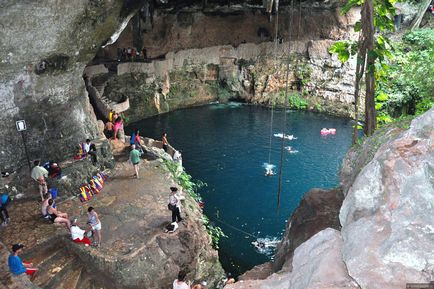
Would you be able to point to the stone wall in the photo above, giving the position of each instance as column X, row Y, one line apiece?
column 253, row 72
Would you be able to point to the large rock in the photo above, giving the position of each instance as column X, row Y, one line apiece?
column 386, row 218
column 318, row 210
column 317, row 263
column 44, row 49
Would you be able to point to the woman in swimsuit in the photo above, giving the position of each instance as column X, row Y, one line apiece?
column 56, row 216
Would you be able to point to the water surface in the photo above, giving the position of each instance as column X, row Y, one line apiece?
column 226, row 146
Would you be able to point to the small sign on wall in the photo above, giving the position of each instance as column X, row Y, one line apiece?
column 21, row 125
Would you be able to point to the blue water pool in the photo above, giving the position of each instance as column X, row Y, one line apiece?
column 225, row 145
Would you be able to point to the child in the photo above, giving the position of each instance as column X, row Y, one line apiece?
column 95, row 223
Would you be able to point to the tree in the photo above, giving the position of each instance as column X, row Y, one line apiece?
column 374, row 14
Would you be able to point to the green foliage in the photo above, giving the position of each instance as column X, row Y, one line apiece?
column 296, row 101
column 344, row 49
column 303, row 72
column 191, row 187
column 405, row 84
column 215, row 232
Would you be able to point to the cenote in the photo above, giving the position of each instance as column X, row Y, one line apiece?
column 226, row 145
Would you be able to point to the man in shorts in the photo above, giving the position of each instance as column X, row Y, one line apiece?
column 39, row 174
column 135, row 159
column 18, row 267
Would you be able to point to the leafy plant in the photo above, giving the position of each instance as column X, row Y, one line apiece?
column 295, row 101
column 215, row 232
column 191, row 187
column 405, row 84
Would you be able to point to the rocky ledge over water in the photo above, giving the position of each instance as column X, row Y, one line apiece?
column 386, row 239
column 135, row 250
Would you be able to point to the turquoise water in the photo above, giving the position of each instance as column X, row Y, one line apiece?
column 226, row 145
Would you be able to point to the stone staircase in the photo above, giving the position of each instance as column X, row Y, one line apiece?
column 100, row 81
column 60, row 269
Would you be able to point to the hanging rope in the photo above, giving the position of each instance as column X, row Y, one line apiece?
column 276, row 29
column 279, row 191
column 235, row 228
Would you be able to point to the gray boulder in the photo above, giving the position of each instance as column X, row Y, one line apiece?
column 386, row 218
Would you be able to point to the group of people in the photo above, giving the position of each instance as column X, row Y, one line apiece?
column 131, row 54
column 51, row 213
column 114, row 127
column 78, row 235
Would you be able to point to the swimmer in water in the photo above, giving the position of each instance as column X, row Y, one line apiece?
column 269, row 172
column 259, row 244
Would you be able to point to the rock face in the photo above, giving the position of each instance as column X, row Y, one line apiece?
column 386, row 239
column 317, row 263
column 317, row 211
column 387, row 225
column 191, row 70
column 43, row 52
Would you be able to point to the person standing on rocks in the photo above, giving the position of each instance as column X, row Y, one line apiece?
column 175, row 205
column 180, row 283
column 4, row 215
column 118, row 129
column 135, row 160
column 95, row 223
column 39, row 174
column 165, row 142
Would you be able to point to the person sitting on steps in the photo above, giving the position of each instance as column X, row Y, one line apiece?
column 18, row 267
column 45, row 205
column 56, row 216
column 78, row 235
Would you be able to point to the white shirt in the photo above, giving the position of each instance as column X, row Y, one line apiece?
column 181, row 285
column 77, row 233
column 86, row 147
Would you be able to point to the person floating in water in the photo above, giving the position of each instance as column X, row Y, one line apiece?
column 269, row 169
column 269, row 172
column 259, row 244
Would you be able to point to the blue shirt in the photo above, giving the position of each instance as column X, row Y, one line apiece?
column 16, row 265
column 4, row 200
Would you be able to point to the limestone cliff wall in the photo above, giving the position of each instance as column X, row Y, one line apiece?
column 386, row 237
column 44, row 49
column 254, row 72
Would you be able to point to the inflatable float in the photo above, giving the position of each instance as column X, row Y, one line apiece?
column 326, row 131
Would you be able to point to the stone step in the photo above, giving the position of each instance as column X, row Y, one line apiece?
column 42, row 253
column 86, row 282
column 51, row 267
column 68, row 278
